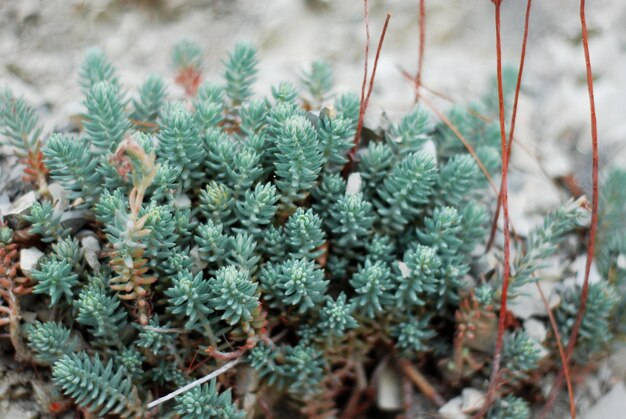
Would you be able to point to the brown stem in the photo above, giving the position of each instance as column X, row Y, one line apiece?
column 420, row 57
column 365, row 98
column 421, row 382
column 594, row 210
column 505, row 206
column 518, row 86
column 557, row 337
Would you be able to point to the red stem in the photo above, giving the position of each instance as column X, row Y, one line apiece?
column 505, row 206
column 594, row 209
column 365, row 98
column 557, row 337
column 420, row 58
column 513, row 118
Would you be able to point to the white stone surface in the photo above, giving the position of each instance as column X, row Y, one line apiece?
column 29, row 258
column 611, row 405
column 473, row 400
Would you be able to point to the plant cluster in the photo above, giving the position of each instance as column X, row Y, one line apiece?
column 228, row 231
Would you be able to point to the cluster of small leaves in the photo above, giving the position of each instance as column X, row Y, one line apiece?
column 228, row 229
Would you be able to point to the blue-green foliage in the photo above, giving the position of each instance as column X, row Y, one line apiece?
column 50, row 341
column 234, row 294
column 240, row 73
column 510, row 407
column 595, row 330
column 150, row 101
column 295, row 282
column 46, row 222
column 374, row 287
column 105, row 121
column 412, row 336
column 227, row 230
column 179, row 144
column 405, row 189
column 205, row 402
column 412, row 131
column 304, row 234
column 319, row 80
column 336, row 316
column 96, row 68
column 298, row 159
column 19, row 123
column 70, row 163
column 56, row 279
column 96, row 386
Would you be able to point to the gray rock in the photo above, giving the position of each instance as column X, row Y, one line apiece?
column 17, row 412
column 578, row 266
column 529, row 303
column 29, row 259
column 75, row 219
column 611, row 405
column 536, row 329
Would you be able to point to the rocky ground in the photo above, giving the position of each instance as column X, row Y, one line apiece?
column 42, row 43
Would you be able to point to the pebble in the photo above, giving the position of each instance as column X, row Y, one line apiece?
column 354, row 184
column 59, row 197
column 182, row 201
column 453, row 409
column 91, row 247
column 389, row 389
column 473, row 400
column 29, row 258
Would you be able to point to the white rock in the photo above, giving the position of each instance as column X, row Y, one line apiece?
column 621, row 261
column 354, row 184
column 198, row 263
column 430, row 148
column 473, row 400
column 59, row 197
column 389, row 389
column 23, row 203
column 579, row 267
column 182, row 201
column 404, row 270
column 91, row 246
column 29, row 258
column 453, row 409
column 536, row 329
column 612, row 405
column 529, row 303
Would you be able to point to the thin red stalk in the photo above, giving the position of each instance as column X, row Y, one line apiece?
column 460, row 136
column 420, row 57
column 513, row 118
column 505, row 206
column 594, row 207
column 365, row 98
column 359, row 126
column 378, row 49
column 557, row 337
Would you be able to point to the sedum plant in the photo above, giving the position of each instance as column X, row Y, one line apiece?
column 229, row 231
